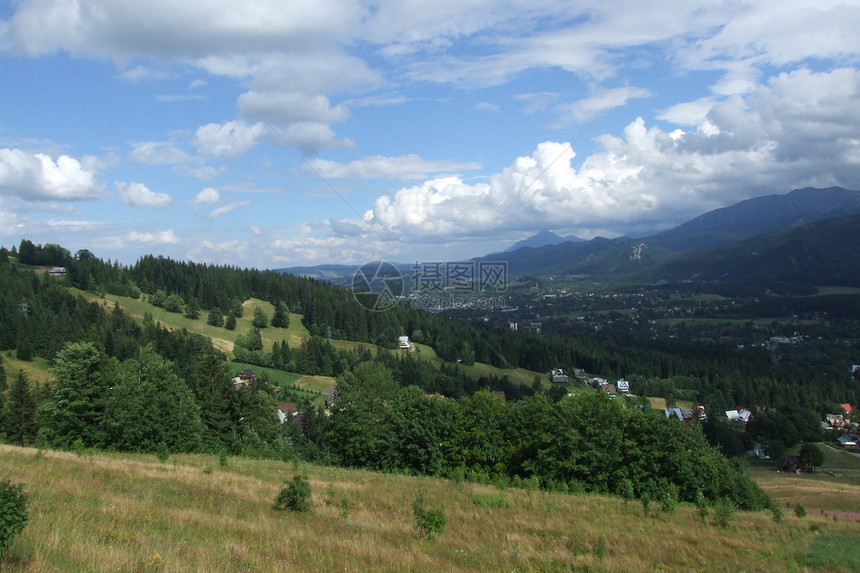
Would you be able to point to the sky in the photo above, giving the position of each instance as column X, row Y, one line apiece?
column 272, row 134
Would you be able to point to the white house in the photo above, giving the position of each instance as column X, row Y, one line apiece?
column 404, row 343
column 740, row 415
column 623, row 386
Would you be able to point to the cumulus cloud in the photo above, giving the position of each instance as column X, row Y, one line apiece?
column 799, row 129
column 167, row 237
column 37, row 177
column 139, row 195
column 207, row 196
column 231, row 139
column 400, row 168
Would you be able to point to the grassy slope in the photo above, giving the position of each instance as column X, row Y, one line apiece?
column 112, row 512
column 294, row 335
column 36, row 370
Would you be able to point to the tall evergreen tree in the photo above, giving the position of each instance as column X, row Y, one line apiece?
column 83, row 377
column 260, row 318
column 281, row 318
column 217, row 400
column 17, row 420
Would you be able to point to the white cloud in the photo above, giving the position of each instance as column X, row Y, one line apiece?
column 167, row 237
column 207, row 196
column 402, row 167
column 139, row 195
column 223, row 210
column 231, row 139
column 280, row 107
column 800, row 129
column 487, row 106
column 601, row 100
column 37, row 177
column 206, row 172
column 158, row 153
column 309, row 137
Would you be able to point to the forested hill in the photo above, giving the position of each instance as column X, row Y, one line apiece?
column 133, row 384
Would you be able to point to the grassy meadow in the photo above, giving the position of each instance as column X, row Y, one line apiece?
column 122, row 512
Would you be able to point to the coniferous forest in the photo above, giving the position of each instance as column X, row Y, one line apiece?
column 130, row 384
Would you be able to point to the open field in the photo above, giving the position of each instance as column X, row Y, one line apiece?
column 37, row 370
column 121, row 512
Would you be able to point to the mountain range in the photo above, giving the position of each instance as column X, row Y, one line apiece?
column 804, row 236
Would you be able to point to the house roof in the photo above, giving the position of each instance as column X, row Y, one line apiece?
column 847, row 408
column 287, row 408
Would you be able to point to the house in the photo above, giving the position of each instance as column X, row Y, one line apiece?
column 57, row 271
column 579, row 373
column 244, row 378
column 683, row 414
column 286, row 410
column 609, row 389
column 848, row 409
column 404, row 344
column 558, row 376
column 740, row 415
column 847, row 441
column 623, row 386
column 834, row 421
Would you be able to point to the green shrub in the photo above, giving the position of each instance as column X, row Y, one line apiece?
column 669, row 500
column 702, row 505
column 296, row 496
column 13, row 512
column 344, row 508
column 161, row 452
column 724, row 511
column 626, row 490
column 799, row 511
column 458, row 474
column 429, row 522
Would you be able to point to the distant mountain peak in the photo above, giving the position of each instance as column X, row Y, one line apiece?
column 542, row 239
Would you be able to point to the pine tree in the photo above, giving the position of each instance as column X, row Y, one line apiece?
column 281, row 318
column 17, row 420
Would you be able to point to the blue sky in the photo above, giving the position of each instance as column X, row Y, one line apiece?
column 271, row 134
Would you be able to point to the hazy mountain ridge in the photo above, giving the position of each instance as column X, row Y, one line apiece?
column 715, row 246
column 758, row 216
column 542, row 239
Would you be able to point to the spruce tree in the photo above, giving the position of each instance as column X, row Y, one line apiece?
column 17, row 420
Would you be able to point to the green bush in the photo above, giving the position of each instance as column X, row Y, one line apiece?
column 13, row 512
column 799, row 511
column 724, row 511
column 429, row 522
column 702, row 505
column 161, row 452
column 296, row 496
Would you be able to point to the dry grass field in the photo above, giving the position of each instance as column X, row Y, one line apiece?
column 121, row 512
